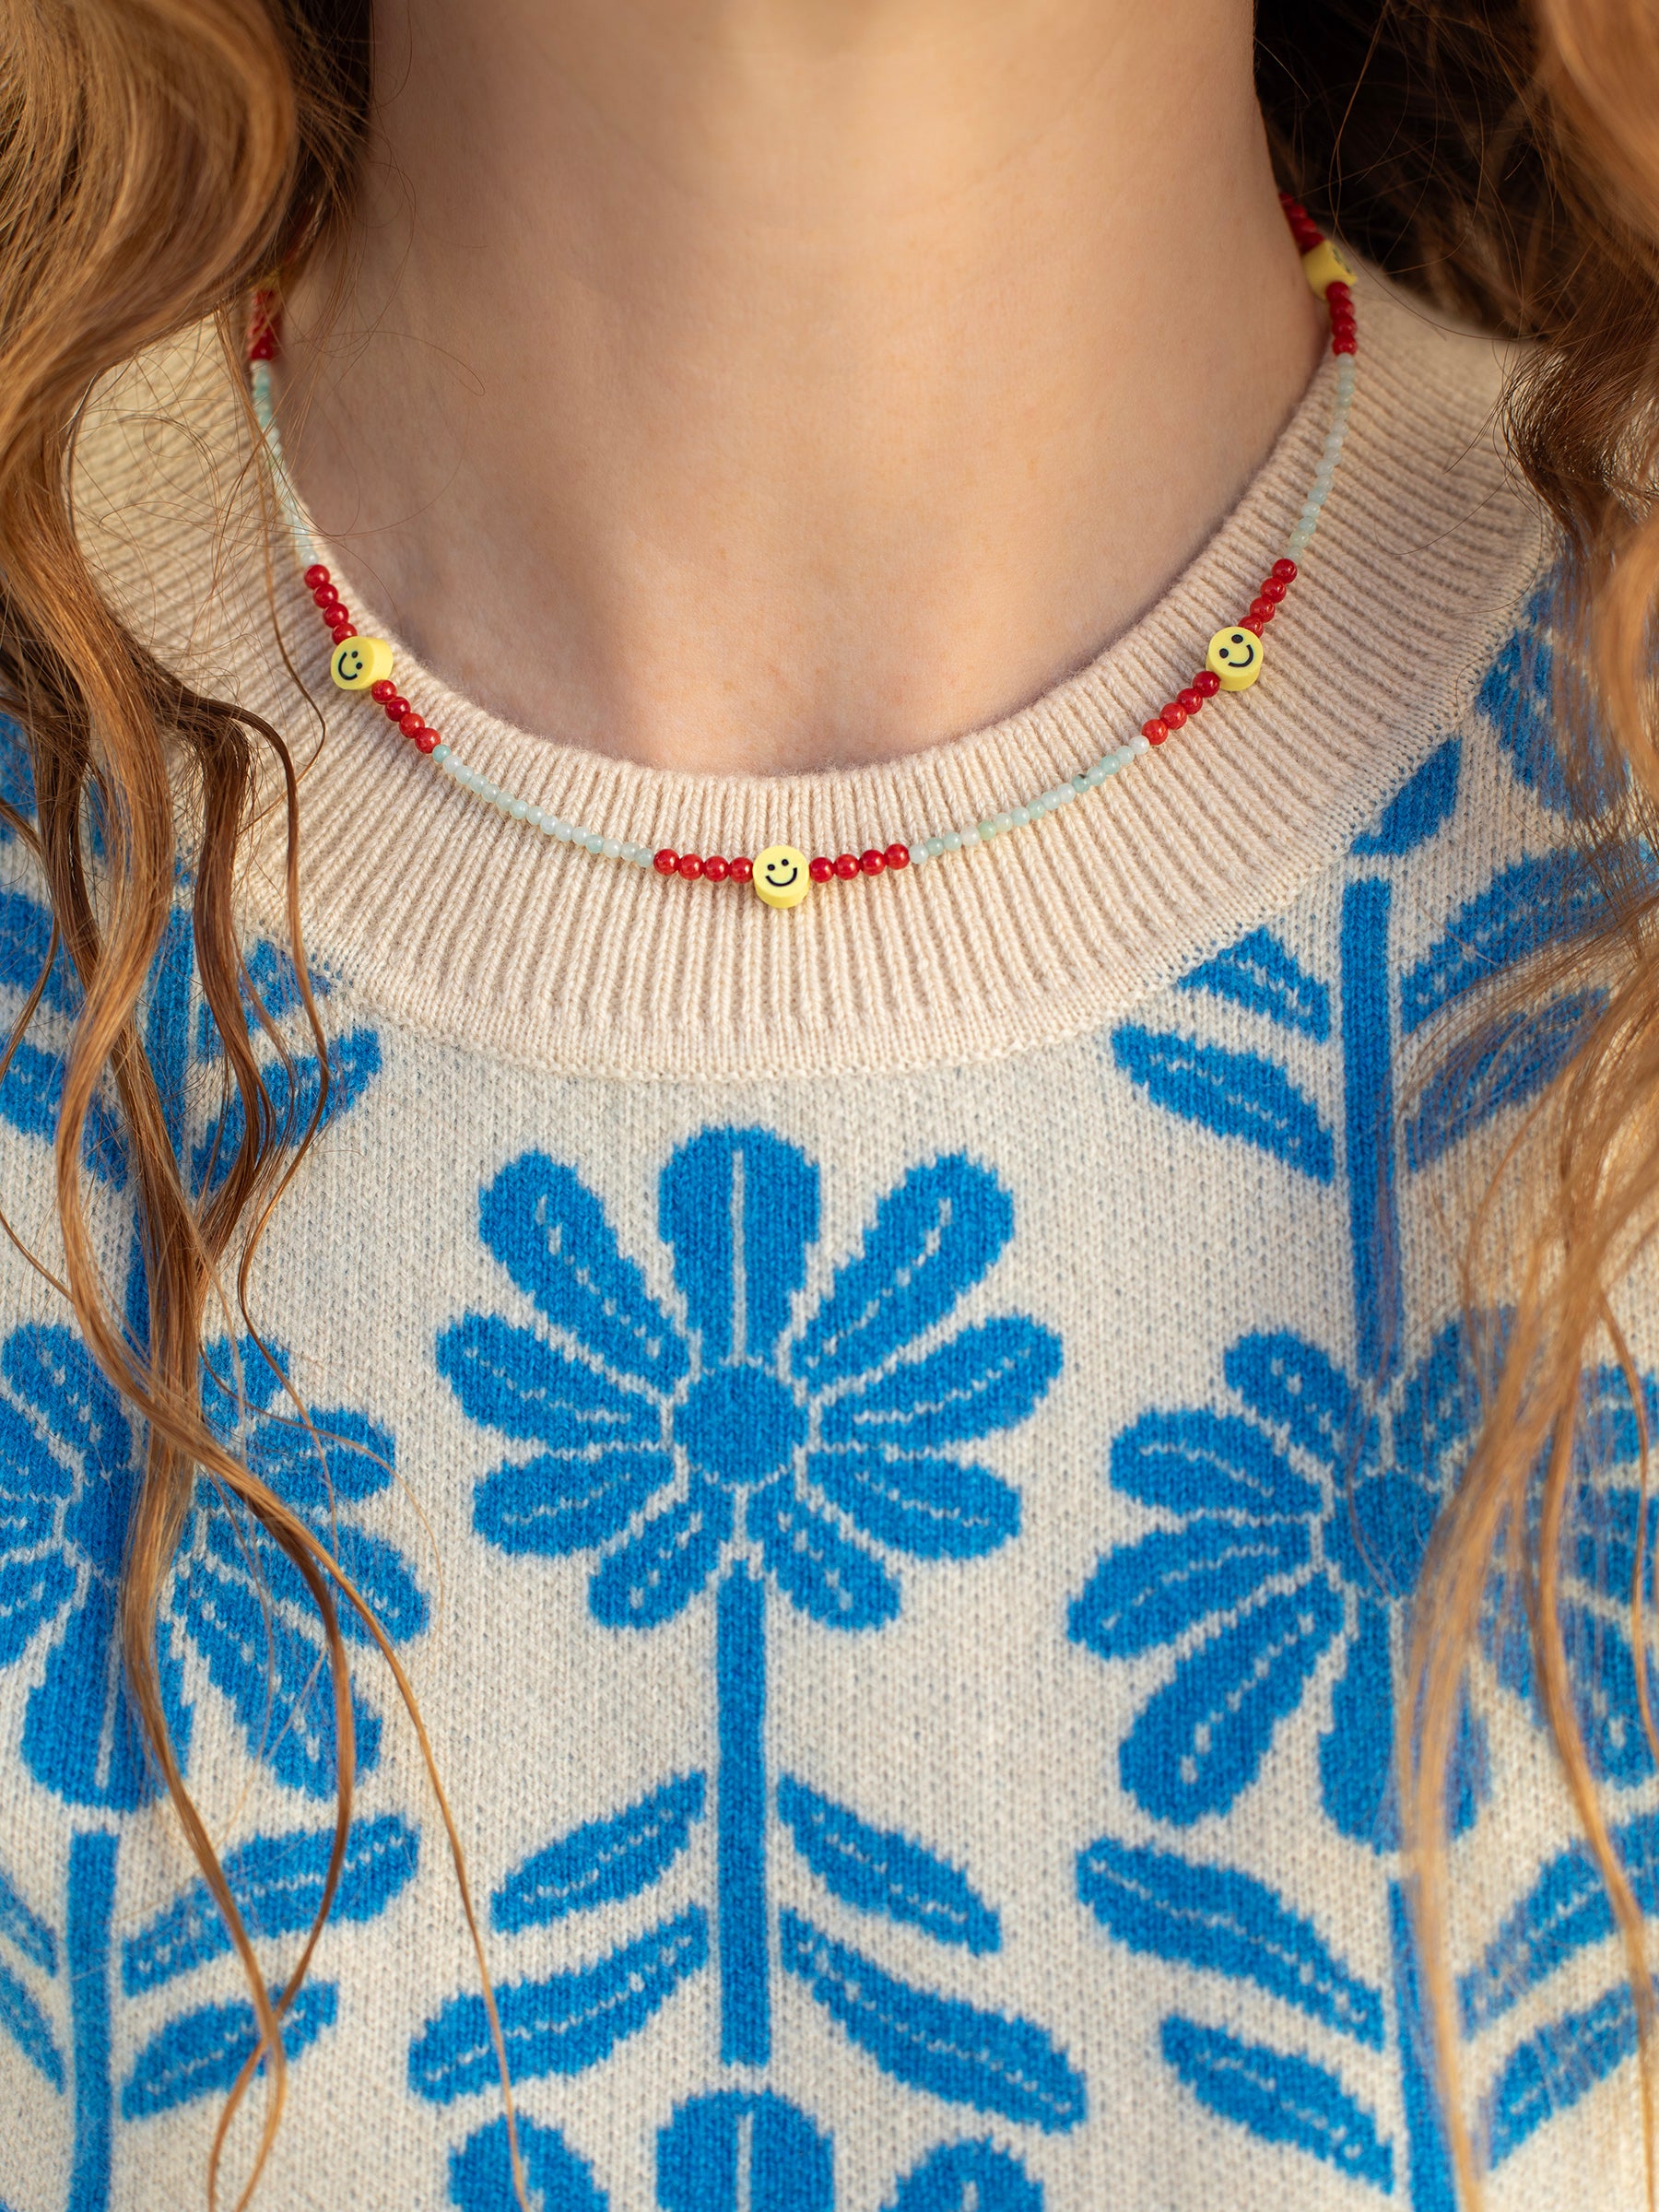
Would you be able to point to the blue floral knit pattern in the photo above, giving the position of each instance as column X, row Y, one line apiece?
column 735, row 1446
column 1293, row 1511
column 71, row 1461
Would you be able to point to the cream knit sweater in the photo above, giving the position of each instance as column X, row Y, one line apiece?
column 893, row 1440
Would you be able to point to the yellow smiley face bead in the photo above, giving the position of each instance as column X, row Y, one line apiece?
column 356, row 662
column 1235, row 655
column 781, row 876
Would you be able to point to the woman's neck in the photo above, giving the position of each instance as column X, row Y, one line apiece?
column 764, row 384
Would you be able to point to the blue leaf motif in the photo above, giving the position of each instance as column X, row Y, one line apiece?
column 1512, row 1063
column 1201, row 1738
column 1227, row 1922
column 204, row 2051
column 354, row 1061
column 275, row 1676
column 550, row 1232
column 987, row 1378
column 732, row 2152
column 1262, row 975
column 81, row 1734
column 1535, row 903
column 879, row 1871
column 32, row 1592
column 554, row 1506
column 1550, row 2071
column 25, row 2024
column 739, row 1207
column 961, row 2175
column 602, row 1862
column 1278, row 2097
column 934, row 1237
column 937, row 2043
column 1233, row 1094
column 481, row 2171
column 508, row 1379
column 1566, row 1909
column 659, row 1570
column 934, row 1508
column 1291, row 1381
column 837, row 1581
column 1417, row 809
column 54, row 1376
column 277, row 1884
column 1203, row 1462
column 27, row 1929
column 559, row 2025
column 1152, row 1591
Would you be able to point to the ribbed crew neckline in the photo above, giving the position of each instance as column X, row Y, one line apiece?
column 463, row 924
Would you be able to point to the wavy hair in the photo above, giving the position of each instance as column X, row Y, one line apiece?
column 160, row 158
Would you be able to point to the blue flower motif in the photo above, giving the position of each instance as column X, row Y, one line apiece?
column 1301, row 1523
column 808, row 1442
column 70, row 1466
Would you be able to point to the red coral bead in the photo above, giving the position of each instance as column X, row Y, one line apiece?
column 1250, row 623
column 898, row 856
column 1338, row 294
column 1345, row 346
column 384, row 690
column 665, row 861
column 1171, row 715
column 1190, row 701
column 743, row 870
column 341, row 632
column 846, row 866
column 426, row 738
column 1208, row 682
column 1155, row 731
column 716, row 869
column 396, row 707
column 819, row 869
column 1261, row 610
column 873, row 862
column 689, row 866
column 325, row 593
column 1274, row 588
column 1284, row 572
column 316, row 576
column 411, row 723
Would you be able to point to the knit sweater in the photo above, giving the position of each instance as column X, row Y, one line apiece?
column 893, row 1438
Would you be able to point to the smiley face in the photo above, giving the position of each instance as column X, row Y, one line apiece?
column 1235, row 655
column 357, row 663
column 780, row 878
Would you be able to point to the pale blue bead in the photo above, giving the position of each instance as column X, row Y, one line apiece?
column 517, row 809
column 970, row 836
column 935, row 845
column 441, row 753
column 594, row 841
column 611, row 848
column 918, row 853
column 1080, row 782
column 988, row 829
column 547, row 826
column 951, row 842
column 563, row 832
column 1137, row 745
column 1019, row 816
column 1096, row 775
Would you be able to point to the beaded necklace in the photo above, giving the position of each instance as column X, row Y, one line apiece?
column 783, row 874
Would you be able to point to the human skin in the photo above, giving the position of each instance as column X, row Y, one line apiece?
column 763, row 385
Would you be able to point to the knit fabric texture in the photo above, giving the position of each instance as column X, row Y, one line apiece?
column 894, row 1440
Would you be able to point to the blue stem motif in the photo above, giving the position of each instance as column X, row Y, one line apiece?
column 1368, row 1080
column 740, row 1667
column 90, row 1904
column 1430, row 2159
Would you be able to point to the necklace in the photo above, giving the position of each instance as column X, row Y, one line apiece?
column 783, row 874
